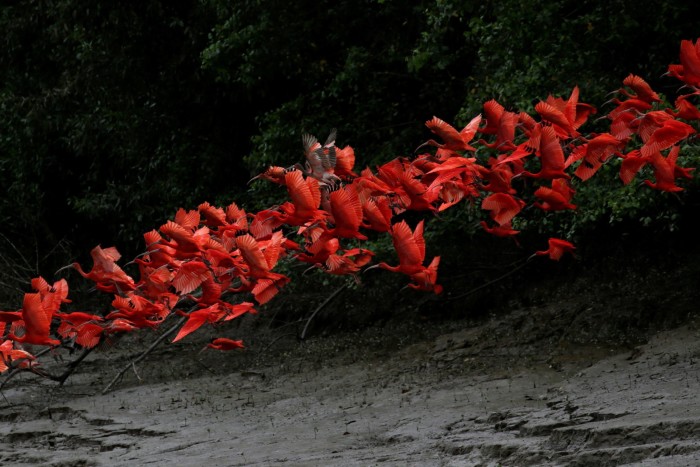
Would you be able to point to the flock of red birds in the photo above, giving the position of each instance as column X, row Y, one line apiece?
column 203, row 257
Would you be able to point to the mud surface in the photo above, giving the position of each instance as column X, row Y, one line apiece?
column 574, row 376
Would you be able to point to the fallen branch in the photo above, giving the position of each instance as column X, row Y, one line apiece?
column 132, row 364
column 14, row 370
column 489, row 283
column 320, row 307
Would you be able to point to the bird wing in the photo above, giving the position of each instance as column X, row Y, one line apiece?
column 300, row 191
column 347, row 209
column 36, row 319
column 250, row 251
column 551, row 152
column 405, row 245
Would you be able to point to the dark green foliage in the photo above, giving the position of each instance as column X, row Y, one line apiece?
column 114, row 116
column 107, row 122
column 528, row 49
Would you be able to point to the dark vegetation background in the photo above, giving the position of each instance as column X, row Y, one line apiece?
column 115, row 114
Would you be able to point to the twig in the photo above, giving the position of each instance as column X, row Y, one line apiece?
column 483, row 286
column 14, row 370
column 150, row 349
column 133, row 367
column 72, row 366
column 320, row 307
column 262, row 352
column 26, row 266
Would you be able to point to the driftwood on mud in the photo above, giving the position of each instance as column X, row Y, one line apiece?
column 145, row 353
column 302, row 336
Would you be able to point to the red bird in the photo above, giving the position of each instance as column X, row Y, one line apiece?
column 594, row 153
column 377, row 214
column 306, row 199
column 551, row 157
column 105, row 272
column 212, row 314
column 557, row 197
column 274, row 173
column 557, row 248
column 632, row 163
column 410, row 247
column 670, row 133
column 505, row 230
column 641, row 89
column 502, row 206
column 665, row 170
column 223, row 343
column 453, row 140
column 260, row 258
column 685, row 109
column 37, row 322
column 13, row 358
column 688, row 70
column 346, row 212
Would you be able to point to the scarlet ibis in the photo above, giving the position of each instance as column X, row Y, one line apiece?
column 105, row 272
column 213, row 216
column 349, row 262
column 671, row 132
column 190, row 275
column 452, row 192
column 551, row 157
column 688, row 70
column 78, row 325
column 640, row 89
column 502, row 206
column 557, row 248
column 664, row 172
column 410, row 248
column 594, row 153
column 566, row 115
column 211, row 314
column 37, row 322
column 632, row 163
column 555, row 198
column 319, row 250
column 556, row 117
column 261, row 257
column 492, row 114
column 346, row 213
column 453, row 169
column 505, row 230
column 426, row 279
column 453, row 140
column 624, row 126
column 274, row 173
column 13, row 358
column 498, row 178
column 376, row 214
column 186, row 243
column 52, row 296
column 633, row 106
column 685, row 109
column 198, row 318
column 345, row 162
column 505, row 132
column 650, row 122
column 306, row 200
column 223, row 343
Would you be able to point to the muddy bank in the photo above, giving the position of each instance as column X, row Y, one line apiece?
column 595, row 365
column 452, row 393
